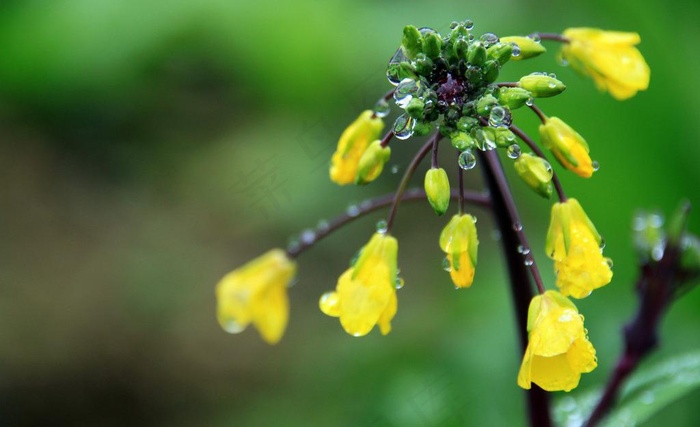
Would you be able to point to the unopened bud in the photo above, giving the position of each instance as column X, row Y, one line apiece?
column 372, row 162
column 536, row 172
column 529, row 48
column 542, row 85
column 513, row 97
column 437, row 188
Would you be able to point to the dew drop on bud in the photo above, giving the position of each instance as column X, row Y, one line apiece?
column 608, row 262
column 513, row 151
column 516, row 50
column 381, row 226
column 466, row 160
column 403, row 126
column 530, row 102
column 468, row 24
column 595, row 165
column 602, row 244
column 399, row 283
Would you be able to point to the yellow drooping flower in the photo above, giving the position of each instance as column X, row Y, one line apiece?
column 257, row 293
column 459, row 241
column 558, row 351
column 570, row 149
column 610, row 58
column 366, row 292
column 352, row 145
column 575, row 246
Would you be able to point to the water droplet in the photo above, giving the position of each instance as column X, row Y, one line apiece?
column 399, row 283
column 381, row 226
column 474, row 219
column 656, row 220
column 497, row 117
column 446, row 264
column 405, row 91
column 595, row 166
column 393, row 69
column 323, row 226
column 602, row 244
column 548, row 168
column 454, row 25
column 608, row 262
column 657, row 252
column 395, row 169
column 528, row 260
column 353, row 210
column 517, row 226
column 563, row 62
column 466, row 160
column 516, row 50
column 523, row 249
column 307, row 237
column 293, row 246
column 552, row 85
column 552, row 75
column 232, row 327
column 468, row 24
column 365, row 204
column 534, row 37
column 513, row 151
column 489, row 39
column 355, row 257
column 381, row 108
column 530, row 102
column 329, row 303
column 403, row 126
column 484, row 139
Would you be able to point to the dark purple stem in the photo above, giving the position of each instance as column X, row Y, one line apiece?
column 503, row 207
column 551, row 36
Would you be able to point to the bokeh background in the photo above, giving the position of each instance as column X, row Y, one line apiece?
column 150, row 146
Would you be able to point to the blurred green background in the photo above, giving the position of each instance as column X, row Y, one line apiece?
column 148, row 147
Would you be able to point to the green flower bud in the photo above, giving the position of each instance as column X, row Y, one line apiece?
column 529, row 48
column 466, row 123
column 422, row 128
column 513, row 97
column 423, row 65
column 491, row 70
column 504, row 137
column 372, row 162
column 432, row 45
column 461, row 48
column 462, row 141
column 412, row 41
column 437, row 188
column 500, row 52
column 415, row 108
column 542, row 85
column 477, row 55
column 485, row 103
column 536, row 172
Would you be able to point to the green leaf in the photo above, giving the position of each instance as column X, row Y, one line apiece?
column 647, row 392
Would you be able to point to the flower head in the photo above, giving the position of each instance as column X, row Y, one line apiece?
column 574, row 245
column 610, row 58
column 366, row 292
column 459, row 241
column 570, row 149
column 257, row 293
column 558, row 351
column 352, row 145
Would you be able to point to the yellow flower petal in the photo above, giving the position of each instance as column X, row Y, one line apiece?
column 352, row 145
column 558, row 351
column 570, row 149
column 610, row 58
column 257, row 293
column 366, row 294
column 574, row 245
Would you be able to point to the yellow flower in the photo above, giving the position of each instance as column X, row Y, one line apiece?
column 257, row 293
column 574, row 245
column 437, row 189
column 558, row 351
column 372, row 162
column 352, row 145
column 366, row 292
column 610, row 58
column 570, row 149
column 459, row 241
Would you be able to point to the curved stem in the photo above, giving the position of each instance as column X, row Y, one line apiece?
column 434, row 160
column 369, row 206
column 540, row 113
column 551, row 37
column 460, row 178
column 536, row 149
column 508, row 222
column 407, row 177
column 387, row 138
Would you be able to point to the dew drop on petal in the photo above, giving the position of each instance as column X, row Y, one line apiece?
column 595, row 165
column 399, row 283
column 466, row 160
column 468, row 24
column 446, row 264
column 381, row 226
column 329, row 303
column 608, row 262
column 232, row 327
